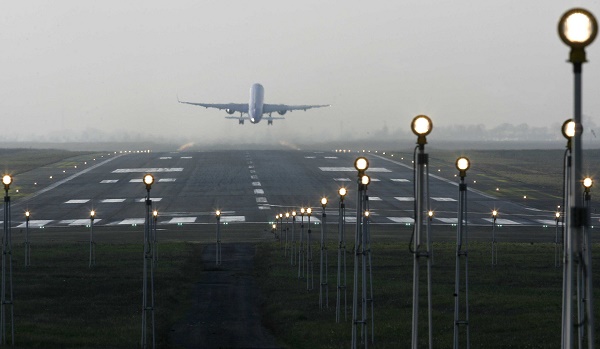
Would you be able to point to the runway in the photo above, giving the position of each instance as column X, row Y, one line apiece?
column 250, row 188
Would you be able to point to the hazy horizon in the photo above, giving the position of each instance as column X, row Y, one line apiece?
column 113, row 70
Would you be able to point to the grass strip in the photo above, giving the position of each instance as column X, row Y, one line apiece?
column 517, row 304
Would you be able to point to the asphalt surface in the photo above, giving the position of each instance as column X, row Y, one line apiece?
column 250, row 188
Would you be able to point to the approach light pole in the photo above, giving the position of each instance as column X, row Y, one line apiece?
column 324, row 288
column 341, row 281
column 577, row 28
column 557, row 242
column 293, row 247
column 421, row 126
column 218, row 245
column 287, row 222
column 309, row 256
column 154, row 236
column 7, row 300
column 494, row 246
column 361, row 164
column 301, row 247
column 92, row 243
column 27, row 244
column 148, row 299
column 462, row 164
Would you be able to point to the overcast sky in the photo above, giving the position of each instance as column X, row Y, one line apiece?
column 118, row 66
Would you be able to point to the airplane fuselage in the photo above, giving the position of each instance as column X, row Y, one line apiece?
column 255, row 106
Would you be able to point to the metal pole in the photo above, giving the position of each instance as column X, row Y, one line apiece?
column 419, row 209
column 218, row 245
column 341, row 283
column 309, row 260
column 357, row 243
column 462, row 220
column 301, row 248
column 494, row 246
column 323, row 264
column 27, row 245
column 148, row 306
column 7, row 259
column 92, row 244
column 556, row 246
column 154, row 236
column 287, row 222
column 293, row 243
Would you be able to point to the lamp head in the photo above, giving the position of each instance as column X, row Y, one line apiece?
column 218, row 213
column 342, row 192
column 361, row 164
column 92, row 214
column 6, row 180
column 463, row 164
column 27, row 214
column 302, row 210
column 494, row 214
column 421, row 126
column 148, row 180
column 293, row 213
column 155, row 213
column 587, row 184
column 430, row 214
column 324, row 202
column 577, row 28
column 309, row 211
column 365, row 180
column 367, row 213
column 557, row 215
column 287, row 215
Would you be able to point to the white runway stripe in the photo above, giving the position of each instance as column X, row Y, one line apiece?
column 404, row 198
column 77, row 201
column 178, row 220
column 501, row 221
column 131, row 221
column 259, row 191
column 148, row 170
column 111, row 201
column 233, row 219
column 35, row 223
column 109, row 181
column 400, row 180
column 352, row 169
column 443, row 199
column 401, row 219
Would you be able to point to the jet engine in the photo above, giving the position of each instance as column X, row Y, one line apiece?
column 282, row 112
column 230, row 111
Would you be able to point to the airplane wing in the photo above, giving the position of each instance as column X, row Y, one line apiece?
column 282, row 108
column 229, row 107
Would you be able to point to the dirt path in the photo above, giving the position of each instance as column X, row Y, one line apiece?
column 226, row 308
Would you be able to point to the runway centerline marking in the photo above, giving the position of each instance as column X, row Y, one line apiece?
column 108, row 181
column 148, row 170
column 443, row 199
column 352, row 169
column 404, row 198
column 259, row 191
column 111, row 201
column 342, row 179
column 400, row 180
column 256, row 184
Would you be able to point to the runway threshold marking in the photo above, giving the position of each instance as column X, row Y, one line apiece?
column 111, row 201
column 108, row 181
column 35, row 223
column 77, row 201
column 178, row 220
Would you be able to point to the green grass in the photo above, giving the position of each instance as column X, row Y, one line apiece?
column 514, row 305
column 61, row 303
column 16, row 161
column 509, row 174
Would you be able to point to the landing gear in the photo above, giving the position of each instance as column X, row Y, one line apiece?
column 270, row 122
column 241, row 121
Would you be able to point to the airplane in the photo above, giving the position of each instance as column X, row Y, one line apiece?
column 256, row 107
